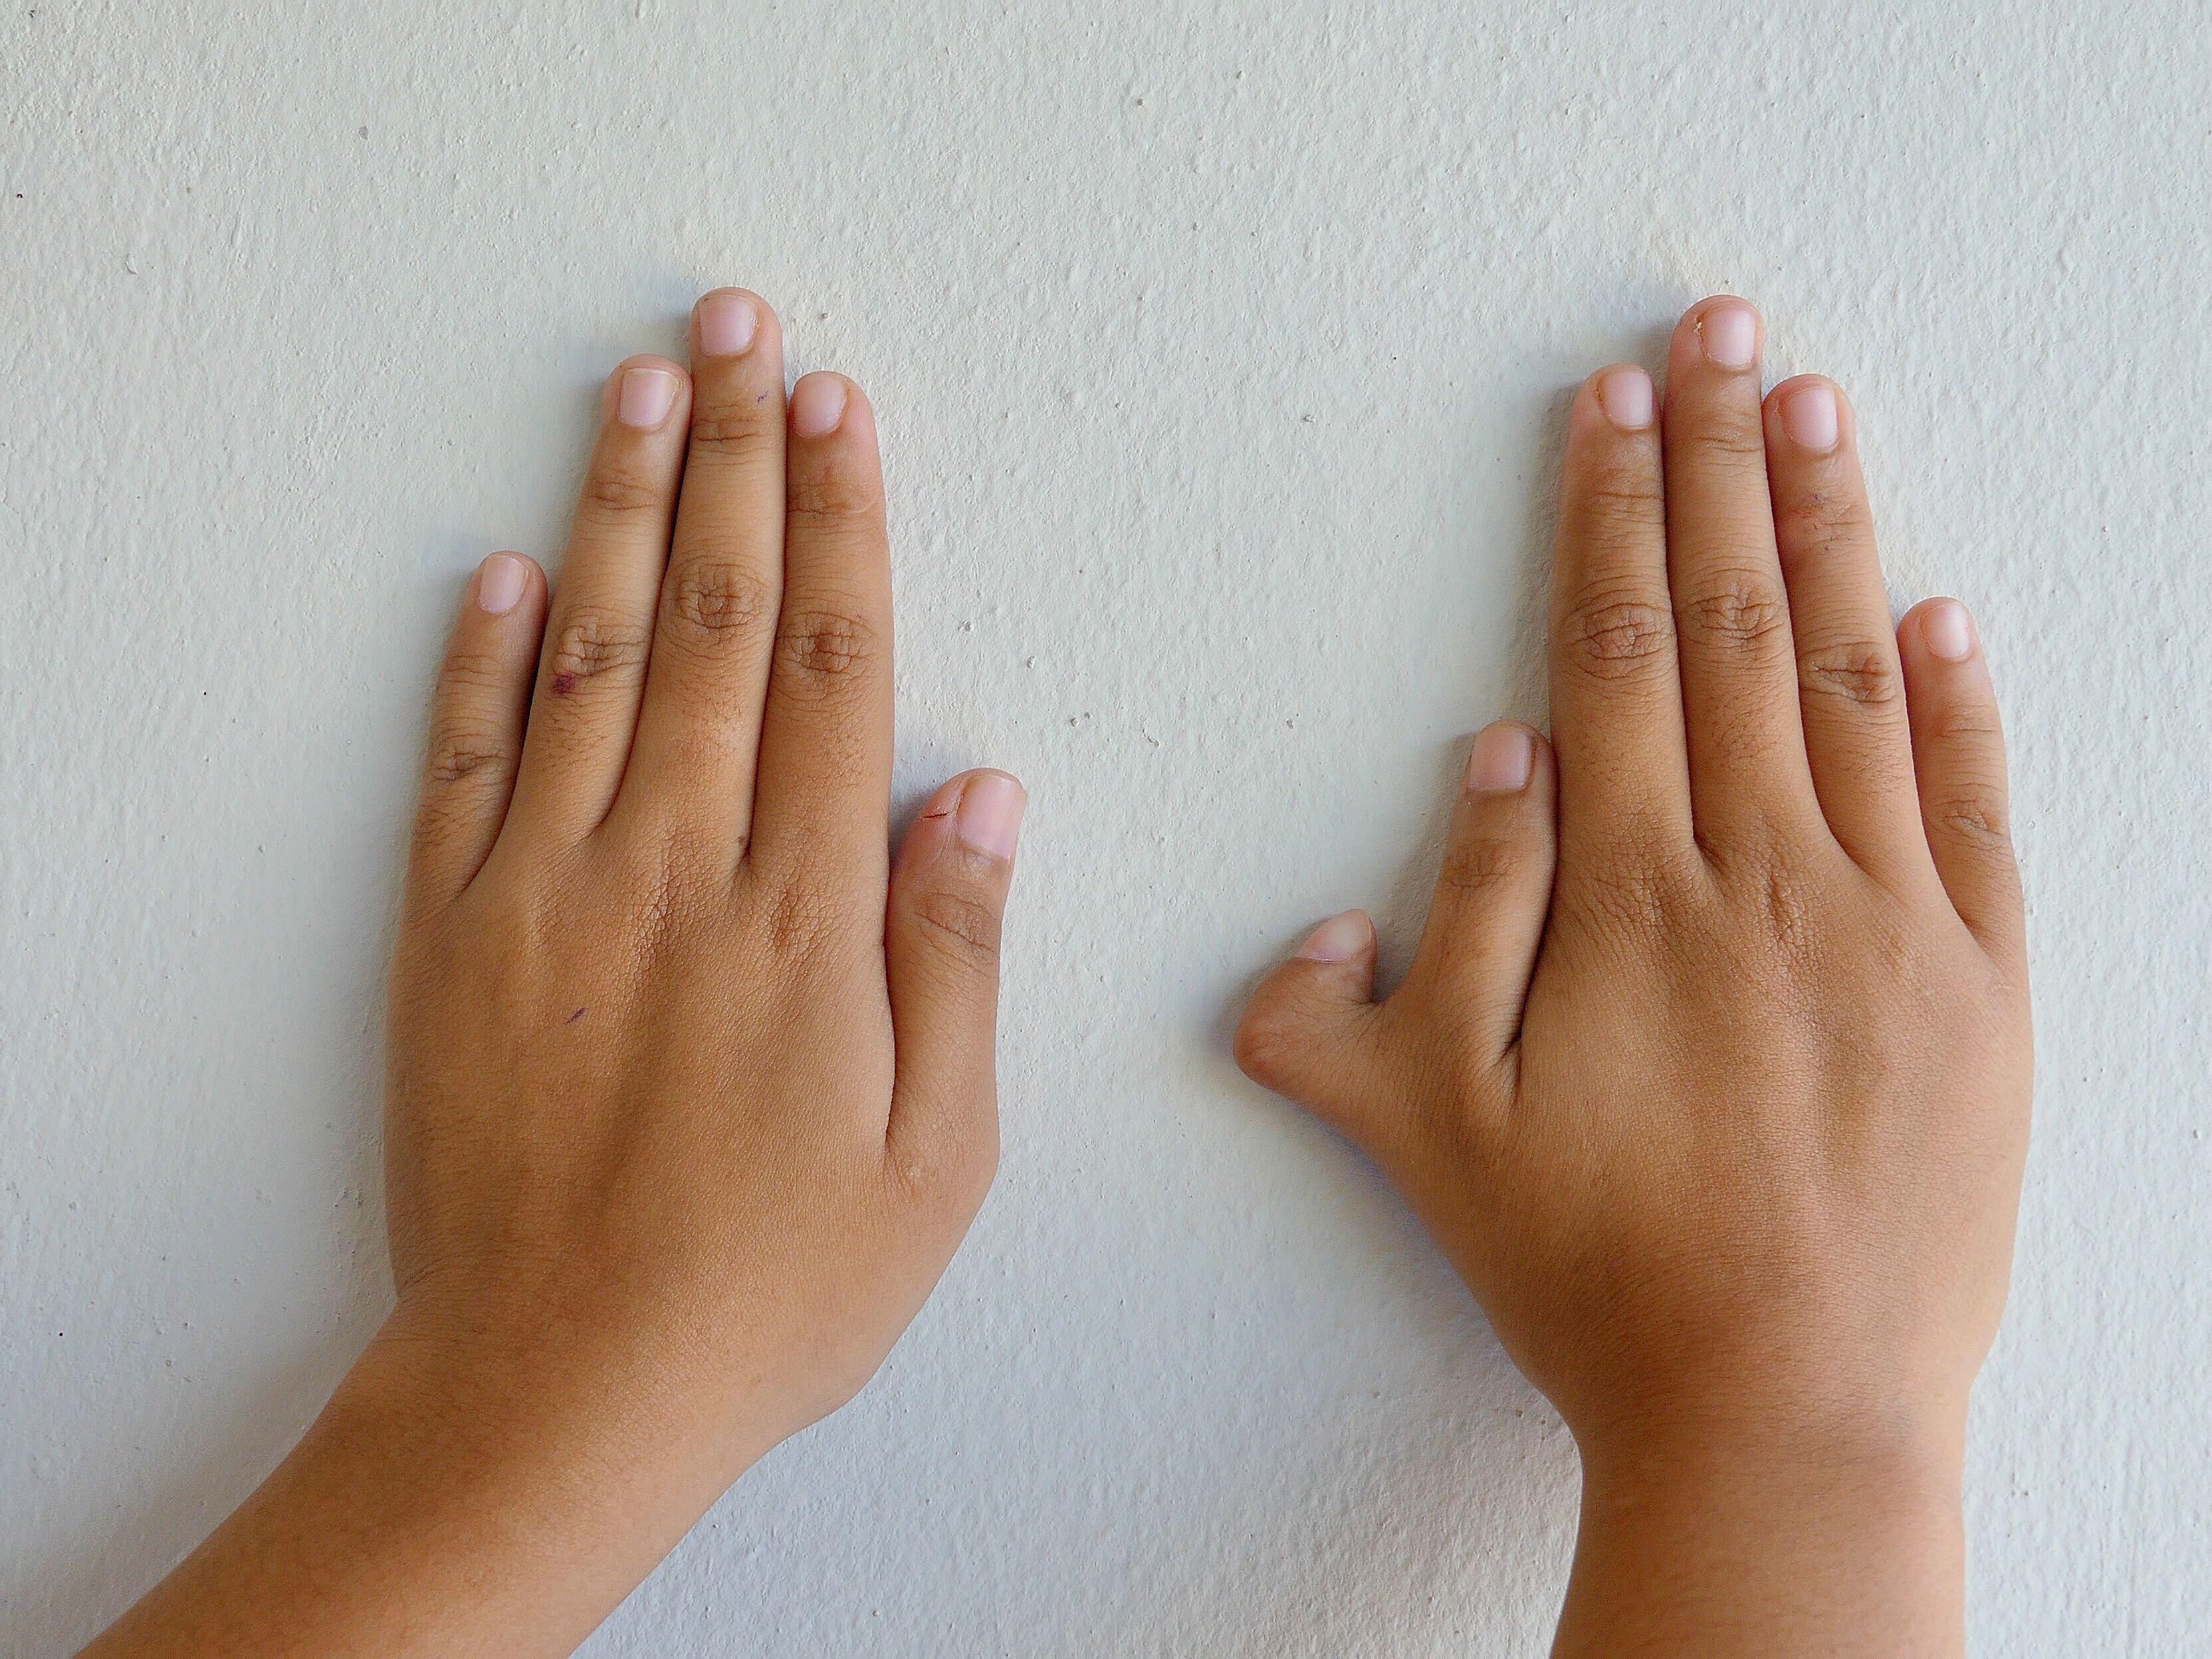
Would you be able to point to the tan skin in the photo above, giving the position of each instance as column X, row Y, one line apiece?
column 690, row 1093
column 1711, row 1076
column 1711, row 1073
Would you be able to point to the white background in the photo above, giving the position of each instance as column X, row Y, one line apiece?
column 1221, row 351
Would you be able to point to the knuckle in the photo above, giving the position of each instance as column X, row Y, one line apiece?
column 716, row 602
column 805, row 923
column 460, row 749
column 617, row 490
column 440, row 819
column 1976, row 819
column 961, row 924
column 593, row 644
column 1263, row 1048
column 477, row 671
column 1740, row 608
column 823, row 651
column 794, row 922
column 1857, row 674
column 1967, row 726
column 652, row 896
column 1781, row 896
column 667, row 876
column 1475, row 866
column 1725, row 444
column 738, row 429
column 953, row 1163
column 957, row 1175
column 832, row 495
column 1621, row 504
column 1635, row 889
column 1612, row 633
column 1820, row 524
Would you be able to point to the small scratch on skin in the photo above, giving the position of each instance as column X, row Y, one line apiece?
column 574, row 1018
column 563, row 683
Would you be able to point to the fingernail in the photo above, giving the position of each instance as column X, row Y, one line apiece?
column 1338, row 940
column 1810, row 417
column 1624, row 394
column 647, row 395
column 726, row 322
column 1948, row 630
column 1500, row 761
column 990, row 816
column 500, row 581
column 1729, row 334
column 818, row 403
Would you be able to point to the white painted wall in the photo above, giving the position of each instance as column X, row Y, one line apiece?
column 1220, row 351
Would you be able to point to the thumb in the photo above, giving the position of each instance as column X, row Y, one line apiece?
column 1310, row 1031
column 948, row 895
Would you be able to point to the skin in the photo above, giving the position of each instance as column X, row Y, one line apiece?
column 1711, row 1073
column 691, row 1091
column 1711, row 1076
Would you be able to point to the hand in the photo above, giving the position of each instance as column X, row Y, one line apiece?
column 1711, row 1073
column 690, row 1095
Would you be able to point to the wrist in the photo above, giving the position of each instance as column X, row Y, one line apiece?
column 1908, row 1444
column 413, row 1517
column 538, row 1398
column 1780, row 1533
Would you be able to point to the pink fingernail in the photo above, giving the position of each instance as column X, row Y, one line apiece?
column 1948, row 630
column 990, row 816
column 1501, row 759
column 1339, row 939
column 726, row 322
column 818, row 403
column 1729, row 334
column 647, row 395
column 500, row 581
column 1626, row 396
column 1810, row 417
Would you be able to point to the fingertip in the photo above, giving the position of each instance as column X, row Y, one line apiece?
column 823, row 403
column 1342, row 938
column 1723, row 330
column 964, row 838
column 644, row 392
column 1307, row 1031
column 1941, row 629
column 986, row 809
column 1621, row 397
column 1502, row 759
column 503, row 582
column 1810, row 414
column 731, row 322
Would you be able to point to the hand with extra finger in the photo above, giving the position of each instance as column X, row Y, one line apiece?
column 691, row 1090
column 1711, row 1073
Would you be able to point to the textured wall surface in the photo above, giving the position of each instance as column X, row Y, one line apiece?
column 1220, row 351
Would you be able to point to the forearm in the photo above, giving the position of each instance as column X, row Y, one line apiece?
column 413, row 1520
column 1703, row 1546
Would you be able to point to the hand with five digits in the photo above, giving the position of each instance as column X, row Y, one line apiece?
column 691, row 1091
column 1711, row 1073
